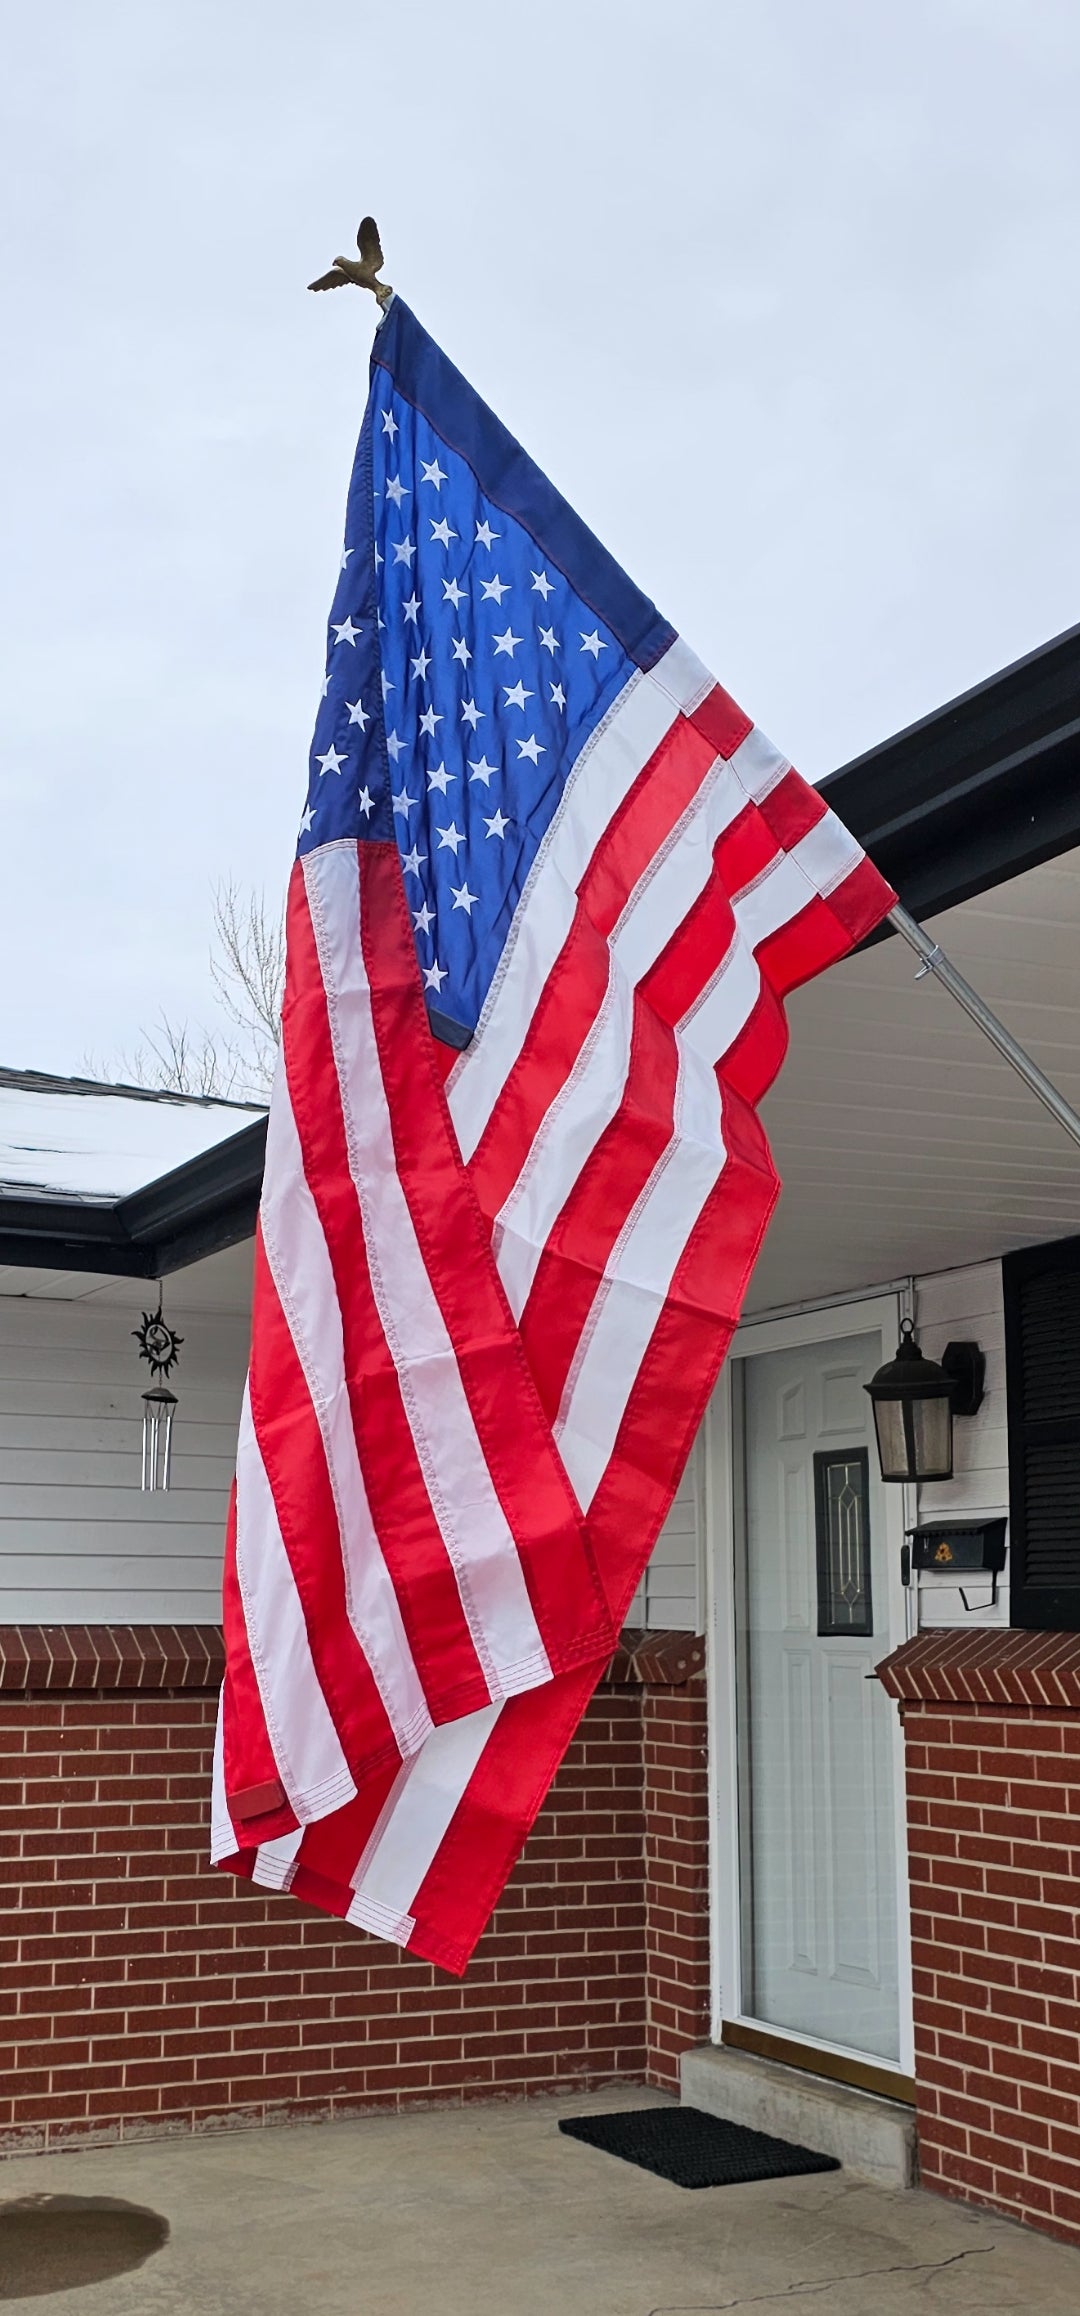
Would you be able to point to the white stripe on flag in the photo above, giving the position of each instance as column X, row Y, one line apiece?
column 410, row 1831
column 464, row 1501
column 637, row 1277
column 304, row 1279
column 274, row 1861
column 603, row 774
column 310, row 1762
column 588, row 1100
column 222, row 1830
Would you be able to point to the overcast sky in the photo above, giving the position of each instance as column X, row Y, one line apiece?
column 782, row 293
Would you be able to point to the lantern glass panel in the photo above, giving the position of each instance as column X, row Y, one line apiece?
column 892, row 1439
column 932, row 1427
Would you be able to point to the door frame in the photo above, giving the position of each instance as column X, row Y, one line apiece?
column 822, row 1325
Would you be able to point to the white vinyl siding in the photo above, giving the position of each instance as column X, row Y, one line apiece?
column 967, row 1306
column 79, row 1542
column 668, row 1599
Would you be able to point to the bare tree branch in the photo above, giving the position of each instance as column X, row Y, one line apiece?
column 247, row 966
column 249, row 969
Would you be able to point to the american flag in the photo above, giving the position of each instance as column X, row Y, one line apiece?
column 551, row 888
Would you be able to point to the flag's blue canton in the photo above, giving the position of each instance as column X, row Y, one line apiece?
column 464, row 676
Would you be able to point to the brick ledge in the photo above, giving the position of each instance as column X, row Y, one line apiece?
column 191, row 1656
column 118, row 1656
column 1003, row 1667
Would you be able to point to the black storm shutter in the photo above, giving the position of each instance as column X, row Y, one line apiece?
column 1042, row 1359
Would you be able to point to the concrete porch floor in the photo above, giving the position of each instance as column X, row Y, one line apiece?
column 491, row 2212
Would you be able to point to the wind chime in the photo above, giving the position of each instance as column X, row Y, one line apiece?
column 160, row 1344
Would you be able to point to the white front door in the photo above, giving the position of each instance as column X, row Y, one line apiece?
column 816, row 1607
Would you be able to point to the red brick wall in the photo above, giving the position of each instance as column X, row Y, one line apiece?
column 994, row 1830
column 141, row 1992
column 676, row 1801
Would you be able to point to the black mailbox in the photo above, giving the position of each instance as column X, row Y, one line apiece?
column 963, row 1545
column 957, row 1547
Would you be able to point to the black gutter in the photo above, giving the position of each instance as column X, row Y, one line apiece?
column 973, row 795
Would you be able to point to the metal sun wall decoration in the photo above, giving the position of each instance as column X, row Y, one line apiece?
column 160, row 1345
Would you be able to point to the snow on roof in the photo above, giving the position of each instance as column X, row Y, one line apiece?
column 72, row 1138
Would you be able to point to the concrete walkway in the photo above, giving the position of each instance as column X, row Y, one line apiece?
column 491, row 2212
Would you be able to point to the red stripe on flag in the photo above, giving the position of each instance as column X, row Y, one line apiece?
column 792, row 809
column 494, row 1817
column 721, row 721
column 401, row 1509
column 526, row 1470
column 571, row 1267
column 578, row 981
column 651, row 809
column 291, row 1446
column 861, row 901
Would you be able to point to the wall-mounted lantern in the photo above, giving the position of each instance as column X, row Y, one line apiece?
column 914, row 1402
column 160, row 1345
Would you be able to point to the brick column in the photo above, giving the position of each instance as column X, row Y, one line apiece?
column 992, row 1746
column 675, row 1789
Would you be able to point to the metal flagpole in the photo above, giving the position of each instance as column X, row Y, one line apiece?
column 935, row 961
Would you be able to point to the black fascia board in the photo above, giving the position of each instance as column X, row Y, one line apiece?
column 976, row 793
column 217, row 1190
column 202, row 1207
column 68, row 1234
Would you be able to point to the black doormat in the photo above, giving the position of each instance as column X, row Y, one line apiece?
column 693, row 2149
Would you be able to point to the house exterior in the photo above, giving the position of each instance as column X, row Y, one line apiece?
column 815, row 1819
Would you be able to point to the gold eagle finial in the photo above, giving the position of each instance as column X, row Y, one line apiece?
column 363, row 274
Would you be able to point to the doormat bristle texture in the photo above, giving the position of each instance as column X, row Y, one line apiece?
column 693, row 2149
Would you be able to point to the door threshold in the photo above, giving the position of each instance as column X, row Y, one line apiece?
column 834, row 2066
